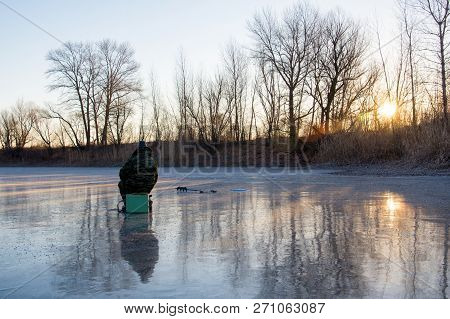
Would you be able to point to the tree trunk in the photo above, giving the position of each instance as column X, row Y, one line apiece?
column 105, row 127
column 413, row 94
column 292, row 129
column 444, row 79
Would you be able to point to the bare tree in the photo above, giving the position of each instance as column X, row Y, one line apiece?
column 60, row 135
column 119, row 80
column 184, row 92
column 42, row 125
column 439, row 11
column 409, row 27
column 196, row 110
column 91, row 79
column 236, row 75
column 286, row 44
column 67, row 71
column 397, row 85
column 253, row 113
column 270, row 98
column 156, row 105
column 22, row 122
column 217, row 110
column 121, row 112
column 354, row 95
column 69, row 124
column 340, row 62
column 94, row 93
column 6, row 130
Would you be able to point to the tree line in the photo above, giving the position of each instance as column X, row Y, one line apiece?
column 307, row 72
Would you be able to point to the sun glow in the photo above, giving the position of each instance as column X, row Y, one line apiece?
column 387, row 110
column 394, row 206
column 391, row 205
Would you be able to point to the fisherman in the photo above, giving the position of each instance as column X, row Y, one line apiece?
column 140, row 173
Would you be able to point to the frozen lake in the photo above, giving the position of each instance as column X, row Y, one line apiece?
column 289, row 235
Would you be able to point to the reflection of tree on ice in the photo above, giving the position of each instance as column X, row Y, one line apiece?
column 139, row 245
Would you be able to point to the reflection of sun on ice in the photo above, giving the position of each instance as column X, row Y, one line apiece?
column 387, row 110
column 391, row 205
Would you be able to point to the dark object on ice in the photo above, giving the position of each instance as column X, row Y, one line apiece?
column 139, row 246
column 140, row 173
column 183, row 189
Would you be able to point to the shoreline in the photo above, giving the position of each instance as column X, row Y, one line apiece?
column 379, row 170
column 387, row 170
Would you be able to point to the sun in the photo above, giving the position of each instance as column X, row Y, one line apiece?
column 387, row 110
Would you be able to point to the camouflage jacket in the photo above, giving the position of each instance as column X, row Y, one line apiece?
column 139, row 173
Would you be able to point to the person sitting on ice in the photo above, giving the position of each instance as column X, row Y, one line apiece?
column 140, row 172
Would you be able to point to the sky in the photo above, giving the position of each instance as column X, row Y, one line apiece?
column 157, row 30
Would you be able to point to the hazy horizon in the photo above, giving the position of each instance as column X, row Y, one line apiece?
column 156, row 31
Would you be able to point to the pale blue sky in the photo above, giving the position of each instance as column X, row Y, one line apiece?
column 155, row 29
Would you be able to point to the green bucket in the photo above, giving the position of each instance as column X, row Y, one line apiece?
column 137, row 203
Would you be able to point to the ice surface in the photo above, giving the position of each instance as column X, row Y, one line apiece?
column 290, row 235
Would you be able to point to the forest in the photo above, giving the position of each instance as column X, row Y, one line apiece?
column 319, row 87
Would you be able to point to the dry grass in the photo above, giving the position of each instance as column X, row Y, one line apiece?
column 427, row 145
